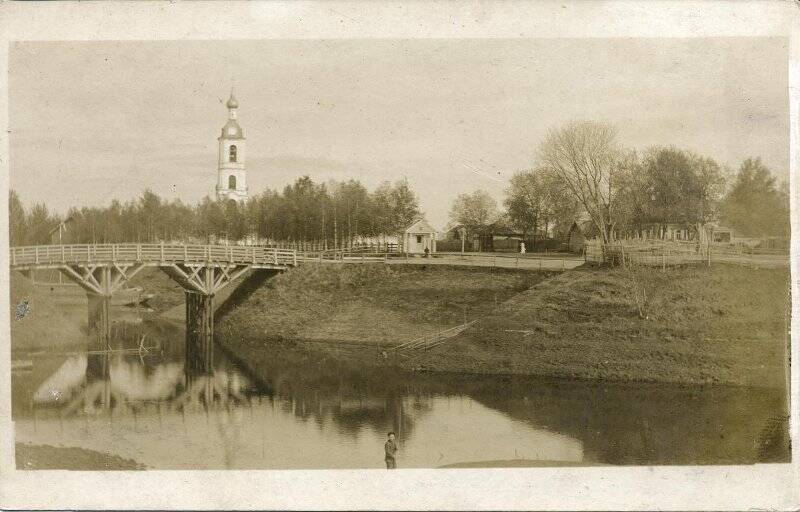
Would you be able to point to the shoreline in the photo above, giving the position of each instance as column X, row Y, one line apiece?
column 239, row 355
column 29, row 456
column 580, row 325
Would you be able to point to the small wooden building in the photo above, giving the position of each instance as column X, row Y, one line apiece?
column 576, row 238
column 419, row 236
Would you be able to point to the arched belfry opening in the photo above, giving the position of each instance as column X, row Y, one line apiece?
column 232, row 153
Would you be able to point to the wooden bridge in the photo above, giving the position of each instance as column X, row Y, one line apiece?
column 201, row 270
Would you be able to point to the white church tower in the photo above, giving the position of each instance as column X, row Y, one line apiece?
column 231, row 174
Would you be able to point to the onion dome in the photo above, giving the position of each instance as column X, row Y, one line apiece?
column 232, row 103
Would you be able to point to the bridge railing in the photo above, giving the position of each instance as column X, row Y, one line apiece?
column 166, row 253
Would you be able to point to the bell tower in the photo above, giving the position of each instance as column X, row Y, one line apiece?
column 231, row 173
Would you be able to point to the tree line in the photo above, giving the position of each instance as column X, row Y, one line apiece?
column 583, row 173
column 332, row 214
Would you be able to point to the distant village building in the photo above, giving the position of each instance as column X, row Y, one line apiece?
column 497, row 236
column 576, row 238
column 722, row 234
column 231, row 173
column 419, row 236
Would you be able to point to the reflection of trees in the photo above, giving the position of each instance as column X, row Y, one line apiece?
column 351, row 414
column 202, row 391
column 124, row 384
column 350, row 396
column 637, row 424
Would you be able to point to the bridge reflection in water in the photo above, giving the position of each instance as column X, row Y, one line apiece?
column 92, row 383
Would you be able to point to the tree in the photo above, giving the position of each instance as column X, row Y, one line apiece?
column 39, row 224
column 755, row 206
column 16, row 220
column 588, row 158
column 678, row 186
column 538, row 200
column 525, row 201
column 404, row 206
column 474, row 211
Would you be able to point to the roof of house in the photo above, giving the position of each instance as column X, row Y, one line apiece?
column 420, row 226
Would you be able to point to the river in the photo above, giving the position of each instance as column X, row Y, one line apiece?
column 307, row 413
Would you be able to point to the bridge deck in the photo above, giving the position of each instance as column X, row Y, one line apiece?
column 44, row 256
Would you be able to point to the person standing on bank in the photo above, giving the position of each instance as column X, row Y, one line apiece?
column 391, row 449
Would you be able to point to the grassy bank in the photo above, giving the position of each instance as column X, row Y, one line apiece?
column 370, row 304
column 692, row 325
column 689, row 325
column 58, row 314
column 48, row 322
column 30, row 456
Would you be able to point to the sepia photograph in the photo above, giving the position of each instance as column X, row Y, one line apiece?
column 396, row 253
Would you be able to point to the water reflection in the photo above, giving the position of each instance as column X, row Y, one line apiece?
column 91, row 383
column 303, row 411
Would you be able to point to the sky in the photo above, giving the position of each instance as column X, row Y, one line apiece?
column 94, row 121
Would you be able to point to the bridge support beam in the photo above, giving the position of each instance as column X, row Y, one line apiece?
column 100, row 281
column 99, row 321
column 199, row 332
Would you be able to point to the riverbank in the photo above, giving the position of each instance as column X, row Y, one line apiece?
column 687, row 325
column 57, row 313
column 372, row 304
column 32, row 456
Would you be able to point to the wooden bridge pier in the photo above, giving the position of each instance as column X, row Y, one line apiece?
column 199, row 332
column 201, row 283
column 100, row 281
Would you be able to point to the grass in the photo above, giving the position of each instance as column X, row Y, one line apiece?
column 690, row 325
column 167, row 292
column 370, row 304
column 58, row 314
column 47, row 322
column 30, row 456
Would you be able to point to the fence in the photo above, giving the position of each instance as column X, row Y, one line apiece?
column 164, row 253
column 555, row 262
column 319, row 246
column 663, row 254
